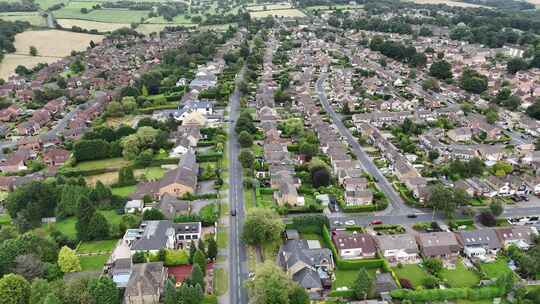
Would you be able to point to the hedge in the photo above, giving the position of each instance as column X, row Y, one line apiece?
column 342, row 294
column 310, row 223
column 365, row 208
column 209, row 157
column 206, row 143
column 150, row 110
column 266, row 190
column 488, row 292
column 76, row 172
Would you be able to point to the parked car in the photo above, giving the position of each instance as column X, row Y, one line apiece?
column 376, row 222
column 233, row 212
column 412, row 215
column 350, row 223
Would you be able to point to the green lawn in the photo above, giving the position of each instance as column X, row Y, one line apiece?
column 67, row 226
column 460, row 277
column 312, row 236
column 495, row 269
column 111, row 163
column 220, row 281
column 346, row 278
column 248, row 199
column 94, row 262
column 151, row 173
column 412, row 272
column 123, row 191
column 222, row 238
column 96, row 246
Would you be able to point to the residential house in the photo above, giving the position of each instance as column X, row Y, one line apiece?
column 479, row 243
column 151, row 236
column 358, row 197
column 354, row 245
column 307, row 263
column 171, row 206
column 186, row 233
column 460, row 134
column 438, row 245
column 398, row 248
column 55, row 157
column 520, row 236
column 134, row 206
column 16, row 161
column 146, row 283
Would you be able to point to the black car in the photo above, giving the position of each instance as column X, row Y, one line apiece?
column 233, row 212
column 412, row 215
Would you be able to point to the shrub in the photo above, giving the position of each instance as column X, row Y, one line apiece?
column 488, row 219
column 405, row 283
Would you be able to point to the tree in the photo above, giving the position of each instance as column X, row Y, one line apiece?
column 29, row 266
column 33, row 51
column 270, row 285
column 31, row 202
column 492, row 115
column 192, row 250
column 472, row 81
column 320, row 177
column 433, row 265
column 534, row 110
column 85, row 214
column 298, row 295
column 68, row 260
column 197, row 276
column 496, row 208
column 103, row 291
column 245, row 139
column 188, row 294
column 516, row 64
column 99, row 227
column 51, row 298
column 38, row 291
column 200, row 259
column 152, row 214
column 363, row 284
column 138, row 257
column 262, row 226
column 308, row 149
column 14, row 289
column 446, row 199
column 430, row 282
column 126, row 176
column 246, row 159
column 441, row 69
column 431, row 84
column 212, row 249
column 169, row 292
column 487, row 219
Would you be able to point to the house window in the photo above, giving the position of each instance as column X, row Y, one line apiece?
column 195, row 237
column 188, row 237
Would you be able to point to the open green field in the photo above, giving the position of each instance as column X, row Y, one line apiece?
column 333, row 7
column 222, row 238
column 110, row 163
column 45, row 4
column 93, row 262
column 220, row 282
column 73, row 11
column 267, row 7
column 460, row 277
column 180, row 19
column 67, row 226
column 96, row 246
column 412, row 272
column 447, row 2
column 291, row 13
column 91, row 25
column 33, row 18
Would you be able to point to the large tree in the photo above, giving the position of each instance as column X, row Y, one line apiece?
column 472, row 81
column 29, row 203
column 262, row 226
column 245, row 139
column 446, row 199
column 200, row 259
column 68, row 260
column 14, row 289
column 271, row 285
column 246, row 159
column 441, row 69
column 363, row 284
column 103, row 290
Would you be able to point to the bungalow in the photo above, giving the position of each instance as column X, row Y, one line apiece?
column 460, row 134
column 355, row 183
column 438, row 245
column 354, row 245
column 307, row 263
column 479, row 243
column 55, row 157
column 398, row 248
column 522, row 237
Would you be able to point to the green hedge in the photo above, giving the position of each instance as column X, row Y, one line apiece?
column 76, row 172
column 150, row 110
column 365, row 208
column 209, row 157
column 357, row 264
column 266, row 190
column 488, row 292
column 342, row 294
column 206, row 143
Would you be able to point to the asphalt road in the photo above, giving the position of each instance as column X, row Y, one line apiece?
column 237, row 250
column 397, row 205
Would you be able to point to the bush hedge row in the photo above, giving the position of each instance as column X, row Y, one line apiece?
column 488, row 292
column 209, row 157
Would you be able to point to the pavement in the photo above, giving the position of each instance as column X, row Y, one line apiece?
column 397, row 206
column 237, row 251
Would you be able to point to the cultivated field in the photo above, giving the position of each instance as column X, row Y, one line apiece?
column 11, row 61
column 73, row 11
column 447, row 2
column 343, row 7
column 91, row 25
column 44, row 42
column 34, row 19
column 280, row 13
column 256, row 8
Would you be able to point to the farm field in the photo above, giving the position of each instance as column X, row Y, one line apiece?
column 42, row 41
column 447, row 2
column 331, row 7
column 256, row 8
column 293, row 12
column 11, row 61
column 91, row 25
column 73, row 11
column 33, row 18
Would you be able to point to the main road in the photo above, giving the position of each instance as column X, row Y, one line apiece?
column 237, row 250
column 397, row 204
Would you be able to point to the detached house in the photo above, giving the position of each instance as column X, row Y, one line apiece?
column 354, row 245
column 522, row 237
column 479, row 243
column 55, row 157
column 146, row 283
column 307, row 263
column 438, row 245
column 398, row 248
column 460, row 134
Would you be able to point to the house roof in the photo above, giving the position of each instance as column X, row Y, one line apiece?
column 185, row 174
column 152, row 235
column 146, row 279
column 397, row 241
column 438, row 243
column 479, row 238
column 345, row 240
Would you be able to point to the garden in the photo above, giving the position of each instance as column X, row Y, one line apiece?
column 461, row 276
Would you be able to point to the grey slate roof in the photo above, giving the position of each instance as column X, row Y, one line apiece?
column 397, row 241
column 480, row 238
column 185, row 174
column 146, row 279
column 153, row 235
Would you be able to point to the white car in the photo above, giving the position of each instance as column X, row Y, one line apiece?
column 350, row 223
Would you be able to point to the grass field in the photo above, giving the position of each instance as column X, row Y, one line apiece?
column 332, row 7
column 412, row 272
column 97, row 246
column 151, row 173
column 280, row 13
column 460, row 277
column 495, row 269
column 346, row 278
column 222, row 237
column 124, row 191
column 34, row 19
column 73, row 11
column 45, row 4
column 114, row 163
column 94, row 262
column 220, row 282
column 256, row 8
column 180, row 19
column 67, row 226
column 11, row 61
column 91, row 25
